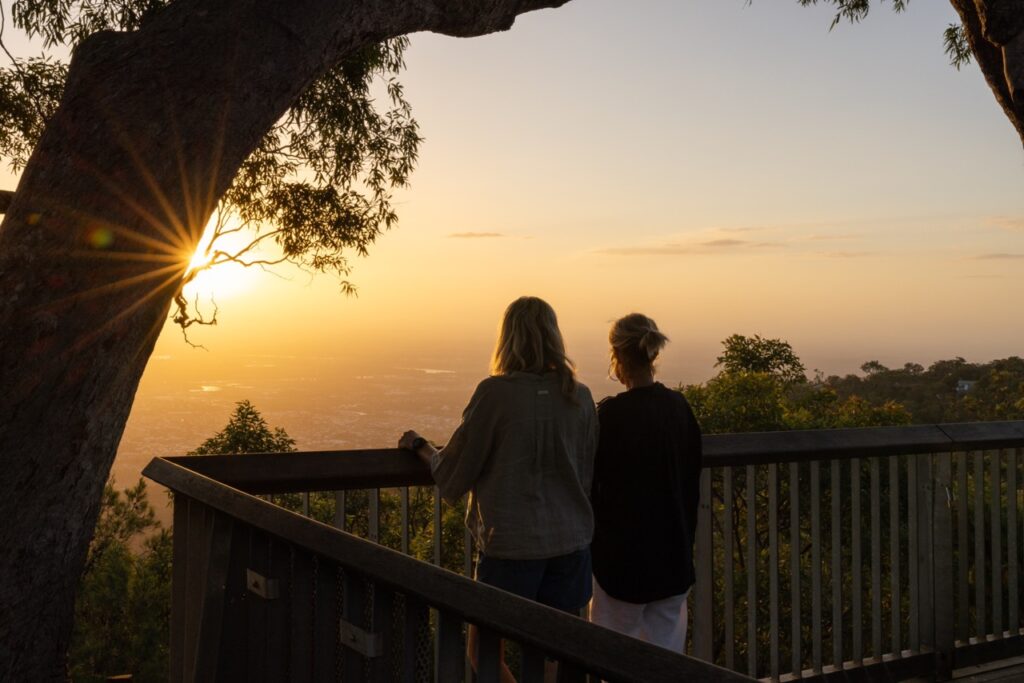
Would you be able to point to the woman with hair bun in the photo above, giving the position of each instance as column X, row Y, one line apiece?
column 645, row 495
column 525, row 454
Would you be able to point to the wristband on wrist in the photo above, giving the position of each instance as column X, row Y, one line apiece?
column 418, row 443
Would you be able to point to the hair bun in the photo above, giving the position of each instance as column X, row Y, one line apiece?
column 652, row 341
column 636, row 341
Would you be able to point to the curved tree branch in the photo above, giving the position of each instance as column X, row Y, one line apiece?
column 995, row 32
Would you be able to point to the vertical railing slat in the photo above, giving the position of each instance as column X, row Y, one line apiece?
column 234, row 635
column 533, row 665
column 995, row 489
column 773, row 567
column 876, row 562
column 894, row 555
column 962, row 549
column 381, row 614
column 301, row 616
column 259, row 562
column 795, row 603
column 450, row 652
column 751, row 484
column 857, row 580
column 488, row 668
column 179, row 574
column 339, row 510
column 816, row 568
column 415, row 635
column 198, row 519
column 728, row 541
column 373, row 516
column 704, row 602
column 438, row 531
column 926, row 549
column 404, row 498
column 327, row 620
column 914, row 626
column 1013, row 596
column 836, row 569
column 356, row 612
column 213, row 594
column 278, row 641
column 979, row 545
column 944, row 640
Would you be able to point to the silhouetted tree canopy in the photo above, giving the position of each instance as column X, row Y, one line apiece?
column 319, row 183
column 760, row 355
column 246, row 432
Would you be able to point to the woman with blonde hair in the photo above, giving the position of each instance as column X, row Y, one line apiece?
column 645, row 495
column 524, row 452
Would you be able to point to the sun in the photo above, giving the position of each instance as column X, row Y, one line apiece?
column 223, row 280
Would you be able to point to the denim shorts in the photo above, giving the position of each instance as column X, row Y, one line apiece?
column 562, row 582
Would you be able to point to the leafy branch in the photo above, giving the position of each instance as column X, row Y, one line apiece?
column 319, row 183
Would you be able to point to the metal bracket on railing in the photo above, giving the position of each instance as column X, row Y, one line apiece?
column 364, row 642
column 261, row 585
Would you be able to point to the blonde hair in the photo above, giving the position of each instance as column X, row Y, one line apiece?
column 530, row 341
column 636, row 342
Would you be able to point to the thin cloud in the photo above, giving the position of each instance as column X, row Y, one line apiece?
column 846, row 254
column 715, row 246
column 656, row 250
column 736, row 244
column 752, row 228
column 1015, row 223
column 999, row 256
column 829, row 238
column 724, row 243
column 473, row 235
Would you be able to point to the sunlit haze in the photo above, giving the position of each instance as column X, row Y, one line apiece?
column 723, row 168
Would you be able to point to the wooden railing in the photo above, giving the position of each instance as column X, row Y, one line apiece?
column 909, row 576
column 263, row 594
column 889, row 552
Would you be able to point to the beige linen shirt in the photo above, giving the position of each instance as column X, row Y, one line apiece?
column 525, row 454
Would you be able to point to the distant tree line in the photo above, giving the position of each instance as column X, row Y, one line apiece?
column 762, row 386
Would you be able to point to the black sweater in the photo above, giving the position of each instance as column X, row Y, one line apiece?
column 645, row 494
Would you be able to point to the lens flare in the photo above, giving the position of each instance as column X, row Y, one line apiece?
column 100, row 237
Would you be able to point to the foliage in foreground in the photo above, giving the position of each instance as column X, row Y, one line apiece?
column 122, row 610
column 122, row 614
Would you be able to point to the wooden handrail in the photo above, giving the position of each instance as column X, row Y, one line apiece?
column 760, row 448
column 383, row 468
column 605, row 652
column 311, row 470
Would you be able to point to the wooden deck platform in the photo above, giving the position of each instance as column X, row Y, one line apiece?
column 1003, row 670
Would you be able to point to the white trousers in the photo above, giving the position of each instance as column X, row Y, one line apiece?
column 662, row 622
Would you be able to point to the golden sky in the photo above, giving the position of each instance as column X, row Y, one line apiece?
column 723, row 168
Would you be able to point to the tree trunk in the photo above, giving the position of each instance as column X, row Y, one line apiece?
column 151, row 130
column 995, row 31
